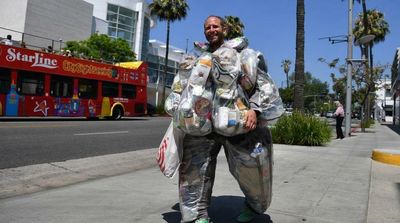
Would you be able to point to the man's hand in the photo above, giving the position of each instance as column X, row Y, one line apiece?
column 250, row 119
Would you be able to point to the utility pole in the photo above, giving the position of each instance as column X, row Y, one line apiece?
column 349, row 70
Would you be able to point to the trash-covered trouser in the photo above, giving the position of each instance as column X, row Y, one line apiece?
column 197, row 170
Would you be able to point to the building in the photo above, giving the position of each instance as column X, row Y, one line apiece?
column 156, row 61
column 384, row 102
column 60, row 21
column 395, row 80
column 56, row 20
column 126, row 19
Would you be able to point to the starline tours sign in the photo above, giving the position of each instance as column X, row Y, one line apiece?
column 31, row 60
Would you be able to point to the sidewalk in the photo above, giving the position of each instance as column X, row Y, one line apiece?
column 335, row 183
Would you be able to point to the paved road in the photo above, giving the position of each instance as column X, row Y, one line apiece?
column 26, row 141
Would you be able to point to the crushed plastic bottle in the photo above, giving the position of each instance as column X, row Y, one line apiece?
column 258, row 151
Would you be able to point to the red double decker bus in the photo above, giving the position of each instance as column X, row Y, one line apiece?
column 35, row 83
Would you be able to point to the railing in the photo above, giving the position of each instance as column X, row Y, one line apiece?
column 25, row 40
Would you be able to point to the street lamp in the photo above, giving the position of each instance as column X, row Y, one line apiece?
column 349, row 69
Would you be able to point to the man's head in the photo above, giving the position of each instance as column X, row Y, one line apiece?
column 9, row 37
column 215, row 30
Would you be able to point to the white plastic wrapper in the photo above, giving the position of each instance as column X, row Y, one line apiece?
column 172, row 103
column 193, row 114
column 230, row 103
column 185, row 68
column 268, row 99
column 226, row 67
column 249, row 61
column 230, row 107
column 238, row 43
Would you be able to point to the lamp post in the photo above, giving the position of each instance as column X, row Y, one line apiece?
column 349, row 70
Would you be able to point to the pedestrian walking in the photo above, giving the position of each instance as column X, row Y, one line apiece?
column 339, row 115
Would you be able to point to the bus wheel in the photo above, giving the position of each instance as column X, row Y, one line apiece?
column 117, row 113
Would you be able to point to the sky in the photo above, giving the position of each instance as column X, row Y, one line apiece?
column 270, row 26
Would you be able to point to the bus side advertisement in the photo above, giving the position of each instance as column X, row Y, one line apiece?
column 41, row 84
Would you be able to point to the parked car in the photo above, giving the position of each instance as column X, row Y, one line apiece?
column 330, row 114
column 288, row 111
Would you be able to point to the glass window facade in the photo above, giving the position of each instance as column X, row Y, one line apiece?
column 122, row 23
column 145, row 39
column 156, row 67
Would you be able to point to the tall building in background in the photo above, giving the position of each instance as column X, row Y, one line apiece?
column 156, row 63
column 126, row 19
column 395, row 80
column 59, row 21
column 55, row 20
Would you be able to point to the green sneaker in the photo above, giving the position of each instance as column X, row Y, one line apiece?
column 246, row 215
column 202, row 220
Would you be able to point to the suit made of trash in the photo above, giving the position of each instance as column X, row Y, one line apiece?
column 210, row 96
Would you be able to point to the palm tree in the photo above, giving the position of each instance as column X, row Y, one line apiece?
column 169, row 11
column 376, row 25
column 298, row 102
column 286, row 67
column 235, row 27
column 371, row 22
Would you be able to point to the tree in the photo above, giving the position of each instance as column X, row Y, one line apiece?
column 286, row 67
column 298, row 102
column 363, row 84
column 169, row 11
column 235, row 27
column 370, row 22
column 102, row 47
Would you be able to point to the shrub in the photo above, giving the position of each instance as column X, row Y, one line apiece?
column 367, row 123
column 301, row 129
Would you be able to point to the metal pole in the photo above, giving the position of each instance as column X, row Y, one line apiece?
column 349, row 70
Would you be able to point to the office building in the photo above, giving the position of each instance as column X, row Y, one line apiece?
column 59, row 21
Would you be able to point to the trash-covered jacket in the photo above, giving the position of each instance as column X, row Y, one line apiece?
column 213, row 91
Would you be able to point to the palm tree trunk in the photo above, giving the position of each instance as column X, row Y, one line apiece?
column 165, row 65
column 299, row 66
column 287, row 80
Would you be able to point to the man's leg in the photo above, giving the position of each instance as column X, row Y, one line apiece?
column 196, row 176
column 252, row 172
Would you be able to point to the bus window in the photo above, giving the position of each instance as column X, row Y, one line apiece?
column 87, row 88
column 5, row 78
column 30, row 83
column 61, row 86
column 128, row 91
column 110, row 89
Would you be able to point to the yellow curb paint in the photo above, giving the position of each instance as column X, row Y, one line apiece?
column 387, row 156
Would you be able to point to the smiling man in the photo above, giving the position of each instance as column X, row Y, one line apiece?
column 248, row 150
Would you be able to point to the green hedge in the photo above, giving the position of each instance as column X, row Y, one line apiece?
column 301, row 129
column 367, row 123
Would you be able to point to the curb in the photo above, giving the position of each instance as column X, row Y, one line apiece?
column 389, row 156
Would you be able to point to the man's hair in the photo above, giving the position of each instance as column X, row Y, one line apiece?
column 223, row 22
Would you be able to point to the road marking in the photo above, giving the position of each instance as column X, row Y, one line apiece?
column 100, row 133
column 34, row 126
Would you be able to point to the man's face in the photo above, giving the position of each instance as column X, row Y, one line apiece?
column 214, row 31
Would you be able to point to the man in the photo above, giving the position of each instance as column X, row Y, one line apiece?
column 197, row 169
column 339, row 114
column 7, row 41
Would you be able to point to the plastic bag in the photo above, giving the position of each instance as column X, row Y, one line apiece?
column 230, row 103
column 268, row 99
column 249, row 62
column 169, row 153
column 194, row 109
